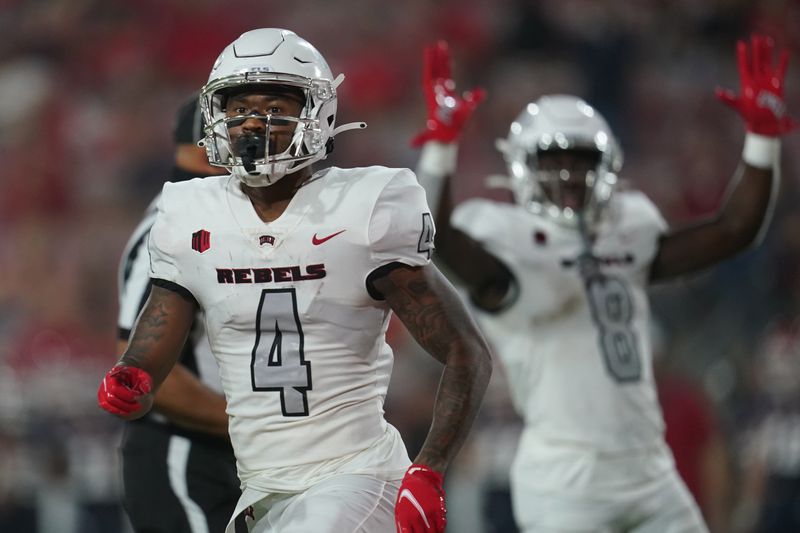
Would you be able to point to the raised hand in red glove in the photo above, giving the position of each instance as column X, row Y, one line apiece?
column 420, row 502
column 761, row 102
column 447, row 112
column 125, row 392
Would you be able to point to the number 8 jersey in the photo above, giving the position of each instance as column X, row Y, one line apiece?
column 291, row 317
column 577, row 355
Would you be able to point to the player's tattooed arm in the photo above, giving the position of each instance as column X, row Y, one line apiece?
column 731, row 230
column 160, row 332
column 489, row 281
column 432, row 312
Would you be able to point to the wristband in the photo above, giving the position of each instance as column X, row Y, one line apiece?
column 437, row 162
column 760, row 151
column 438, row 159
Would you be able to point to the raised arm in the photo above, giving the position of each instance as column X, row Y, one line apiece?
column 747, row 207
column 732, row 229
column 155, row 345
column 433, row 313
column 487, row 279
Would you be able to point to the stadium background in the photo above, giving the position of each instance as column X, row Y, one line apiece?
column 88, row 90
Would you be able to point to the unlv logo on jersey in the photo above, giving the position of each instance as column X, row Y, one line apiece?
column 201, row 241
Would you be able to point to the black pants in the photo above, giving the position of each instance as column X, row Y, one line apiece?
column 177, row 482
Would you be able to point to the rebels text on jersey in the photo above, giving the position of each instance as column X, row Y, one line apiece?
column 298, row 335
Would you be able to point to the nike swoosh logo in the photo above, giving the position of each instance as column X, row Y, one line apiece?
column 317, row 241
column 405, row 493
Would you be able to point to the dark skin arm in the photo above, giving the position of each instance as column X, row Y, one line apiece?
column 731, row 230
column 431, row 310
column 488, row 280
column 158, row 336
column 188, row 402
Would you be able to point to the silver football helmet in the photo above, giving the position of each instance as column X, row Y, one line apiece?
column 552, row 123
column 278, row 57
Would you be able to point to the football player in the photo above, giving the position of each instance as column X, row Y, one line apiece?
column 560, row 278
column 178, row 469
column 297, row 272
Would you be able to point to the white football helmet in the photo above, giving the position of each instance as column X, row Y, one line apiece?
column 559, row 122
column 271, row 56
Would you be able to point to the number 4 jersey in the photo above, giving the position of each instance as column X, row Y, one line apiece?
column 291, row 316
column 579, row 366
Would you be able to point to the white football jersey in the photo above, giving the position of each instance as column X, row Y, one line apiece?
column 298, row 337
column 579, row 368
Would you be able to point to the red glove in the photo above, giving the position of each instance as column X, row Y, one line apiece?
column 447, row 112
column 761, row 102
column 420, row 502
column 125, row 391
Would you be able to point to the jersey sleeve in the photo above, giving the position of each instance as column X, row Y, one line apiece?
column 480, row 219
column 165, row 245
column 401, row 228
column 648, row 211
column 489, row 223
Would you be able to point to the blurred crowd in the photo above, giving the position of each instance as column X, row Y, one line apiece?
column 88, row 91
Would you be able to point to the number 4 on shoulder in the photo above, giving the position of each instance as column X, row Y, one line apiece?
column 425, row 244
